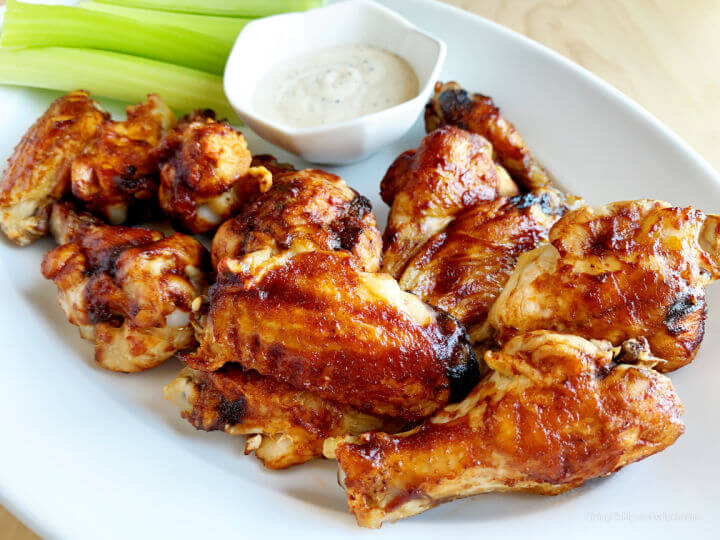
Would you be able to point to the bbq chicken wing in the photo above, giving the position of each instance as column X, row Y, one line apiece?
column 38, row 172
column 452, row 105
column 205, row 173
column 619, row 271
column 118, row 172
column 451, row 170
column 316, row 321
column 556, row 411
column 128, row 289
column 464, row 268
column 312, row 207
column 286, row 426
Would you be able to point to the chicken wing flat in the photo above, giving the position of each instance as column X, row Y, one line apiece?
column 309, row 206
column 128, row 289
column 426, row 188
column 453, row 105
column 316, row 321
column 286, row 426
column 556, row 411
column 464, row 268
column 119, row 170
column 615, row 272
column 38, row 172
column 205, row 173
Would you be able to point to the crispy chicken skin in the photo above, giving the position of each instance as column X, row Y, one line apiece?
column 205, row 173
column 38, row 172
column 286, row 426
column 119, row 170
column 453, row 105
column 309, row 206
column 464, row 268
column 618, row 271
column 315, row 320
column 426, row 188
column 556, row 411
column 128, row 289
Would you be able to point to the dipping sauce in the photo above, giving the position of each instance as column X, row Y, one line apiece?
column 334, row 85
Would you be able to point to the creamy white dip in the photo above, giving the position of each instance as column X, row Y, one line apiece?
column 334, row 85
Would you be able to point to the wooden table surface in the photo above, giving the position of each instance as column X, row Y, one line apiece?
column 662, row 53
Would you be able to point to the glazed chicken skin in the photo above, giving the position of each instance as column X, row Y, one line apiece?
column 286, row 426
column 455, row 106
column 556, row 411
column 129, row 290
column 463, row 268
column 615, row 272
column 205, row 173
column 450, row 171
column 316, row 321
column 312, row 207
column 118, row 172
column 38, row 172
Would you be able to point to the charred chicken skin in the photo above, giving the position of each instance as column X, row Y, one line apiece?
column 618, row 271
column 38, row 172
column 286, row 426
column 316, row 321
column 455, row 106
column 463, row 268
column 312, row 207
column 128, row 289
column 118, row 172
column 451, row 171
column 205, row 173
column 556, row 411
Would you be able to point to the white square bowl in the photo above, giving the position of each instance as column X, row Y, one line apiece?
column 266, row 42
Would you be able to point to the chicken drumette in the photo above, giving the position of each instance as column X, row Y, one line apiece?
column 556, row 411
column 119, row 170
column 453, row 105
column 451, row 170
column 206, row 173
column 311, row 207
column 38, row 172
column 129, row 290
column 623, row 270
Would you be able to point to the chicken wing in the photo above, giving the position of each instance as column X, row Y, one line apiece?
column 118, row 172
column 453, row 105
column 450, row 171
column 286, row 426
column 205, row 173
column 556, row 411
column 619, row 271
column 309, row 206
column 128, row 289
column 464, row 268
column 315, row 320
column 38, row 172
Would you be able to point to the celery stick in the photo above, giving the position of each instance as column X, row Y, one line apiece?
column 223, row 28
column 34, row 25
column 114, row 75
column 231, row 8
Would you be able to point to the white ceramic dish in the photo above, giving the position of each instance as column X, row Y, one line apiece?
column 265, row 42
column 90, row 454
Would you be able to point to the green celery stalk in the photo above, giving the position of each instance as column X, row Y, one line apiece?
column 231, row 8
column 224, row 28
column 34, row 25
column 116, row 76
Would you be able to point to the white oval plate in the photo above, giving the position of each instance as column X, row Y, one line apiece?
column 85, row 453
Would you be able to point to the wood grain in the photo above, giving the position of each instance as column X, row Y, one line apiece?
column 662, row 53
